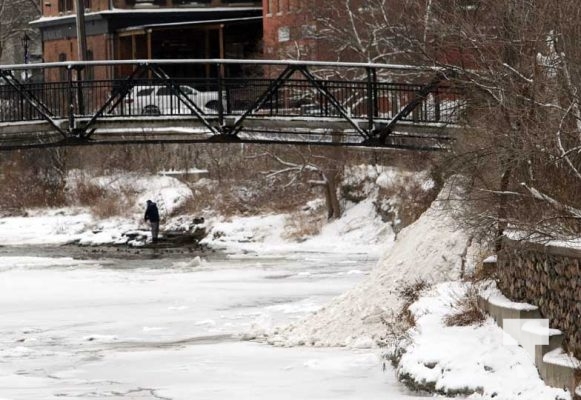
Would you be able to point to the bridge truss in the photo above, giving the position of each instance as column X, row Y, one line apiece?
column 156, row 101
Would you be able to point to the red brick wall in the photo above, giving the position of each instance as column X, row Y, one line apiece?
column 50, row 8
column 288, row 29
column 96, row 44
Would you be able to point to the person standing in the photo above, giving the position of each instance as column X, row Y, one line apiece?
column 152, row 215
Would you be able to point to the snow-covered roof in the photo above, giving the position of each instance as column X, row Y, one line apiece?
column 192, row 23
column 147, row 11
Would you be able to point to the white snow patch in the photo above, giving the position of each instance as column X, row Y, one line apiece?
column 193, row 263
column 495, row 297
column 559, row 357
column 490, row 259
column 42, row 226
column 20, row 262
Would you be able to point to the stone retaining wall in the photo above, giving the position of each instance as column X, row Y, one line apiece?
column 548, row 277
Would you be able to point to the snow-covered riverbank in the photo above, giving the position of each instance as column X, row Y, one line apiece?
column 172, row 328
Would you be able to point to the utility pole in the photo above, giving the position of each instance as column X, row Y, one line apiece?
column 82, row 53
column 81, row 34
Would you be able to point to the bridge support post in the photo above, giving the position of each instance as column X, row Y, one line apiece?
column 371, row 98
column 71, row 99
column 219, row 74
column 79, row 83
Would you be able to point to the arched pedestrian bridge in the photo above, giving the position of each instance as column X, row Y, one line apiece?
column 155, row 101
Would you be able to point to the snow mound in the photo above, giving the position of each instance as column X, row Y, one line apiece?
column 433, row 249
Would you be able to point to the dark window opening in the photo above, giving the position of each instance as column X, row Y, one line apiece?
column 65, row 5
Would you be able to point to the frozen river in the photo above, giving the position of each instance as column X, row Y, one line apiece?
column 175, row 328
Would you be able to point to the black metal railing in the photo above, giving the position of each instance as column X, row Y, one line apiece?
column 242, row 89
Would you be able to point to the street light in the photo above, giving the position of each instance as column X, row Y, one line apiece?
column 25, row 39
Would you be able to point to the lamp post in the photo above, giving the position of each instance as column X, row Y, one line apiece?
column 25, row 39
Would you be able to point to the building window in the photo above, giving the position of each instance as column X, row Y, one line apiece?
column 283, row 34
column 65, row 5
column 88, row 4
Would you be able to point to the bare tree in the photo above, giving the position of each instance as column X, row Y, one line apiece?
column 519, row 65
column 15, row 16
column 319, row 170
column 521, row 71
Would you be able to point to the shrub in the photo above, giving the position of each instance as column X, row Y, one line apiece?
column 103, row 203
column 466, row 310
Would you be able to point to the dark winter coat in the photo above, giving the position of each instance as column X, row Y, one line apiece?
column 152, row 213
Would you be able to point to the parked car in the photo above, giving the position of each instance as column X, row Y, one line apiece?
column 163, row 100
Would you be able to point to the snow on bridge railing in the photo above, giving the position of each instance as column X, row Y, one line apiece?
column 73, row 64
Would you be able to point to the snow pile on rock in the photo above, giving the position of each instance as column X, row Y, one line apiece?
column 467, row 359
column 433, row 249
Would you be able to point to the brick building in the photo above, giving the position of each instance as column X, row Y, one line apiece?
column 160, row 29
column 290, row 28
column 396, row 31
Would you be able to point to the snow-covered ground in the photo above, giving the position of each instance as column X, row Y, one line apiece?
column 178, row 328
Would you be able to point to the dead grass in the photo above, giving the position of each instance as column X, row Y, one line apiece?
column 301, row 225
column 104, row 203
column 397, row 336
column 245, row 197
column 466, row 310
column 410, row 293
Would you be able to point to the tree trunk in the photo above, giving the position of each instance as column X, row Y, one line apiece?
column 333, row 206
column 502, row 211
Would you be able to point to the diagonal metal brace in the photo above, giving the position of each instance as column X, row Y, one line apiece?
column 329, row 96
column 114, row 99
column 263, row 98
column 175, row 88
column 382, row 133
column 29, row 97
